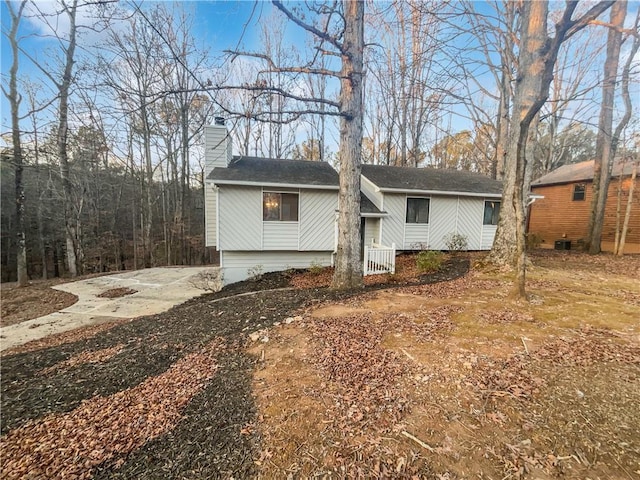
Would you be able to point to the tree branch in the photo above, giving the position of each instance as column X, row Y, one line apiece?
column 309, row 28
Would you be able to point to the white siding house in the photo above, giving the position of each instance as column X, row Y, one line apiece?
column 272, row 214
column 425, row 207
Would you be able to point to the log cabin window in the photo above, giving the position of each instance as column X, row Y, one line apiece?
column 417, row 210
column 579, row 192
column 491, row 212
column 279, row 207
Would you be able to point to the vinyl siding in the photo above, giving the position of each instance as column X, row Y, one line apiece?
column 236, row 264
column 240, row 224
column 210, row 215
column 317, row 220
column 488, row 234
column 217, row 151
column 369, row 190
column 470, row 212
column 280, row 236
column 443, row 220
column 371, row 230
column 557, row 216
column 393, row 226
column 416, row 236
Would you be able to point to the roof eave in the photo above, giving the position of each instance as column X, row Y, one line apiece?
column 274, row 184
column 440, row 192
column 374, row 215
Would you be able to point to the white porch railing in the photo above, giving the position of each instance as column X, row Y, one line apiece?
column 379, row 259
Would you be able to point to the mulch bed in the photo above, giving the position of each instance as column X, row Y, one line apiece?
column 210, row 435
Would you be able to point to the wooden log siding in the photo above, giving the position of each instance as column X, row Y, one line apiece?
column 558, row 216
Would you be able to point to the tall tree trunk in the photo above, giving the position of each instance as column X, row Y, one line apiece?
column 627, row 214
column 348, row 272
column 536, row 59
column 146, row 231
column 604, row 151
column 15, row 98
column 62, row 138
column 502, row 127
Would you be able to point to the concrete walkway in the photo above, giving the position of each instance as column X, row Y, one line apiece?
column 158, row 289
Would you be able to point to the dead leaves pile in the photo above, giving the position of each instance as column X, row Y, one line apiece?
column 103, row 430
column 456, row 288
column 92, row 356
column 117, row 292
column 364, row 375
column 406, row 272
column 514, row 376
column 627, row 265
column 589, row 346
column 504, row 317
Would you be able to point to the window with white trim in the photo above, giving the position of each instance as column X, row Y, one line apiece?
column 279, row 207
column 417, row 210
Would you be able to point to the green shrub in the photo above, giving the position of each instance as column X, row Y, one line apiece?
column 315, row 268
column 429, row 261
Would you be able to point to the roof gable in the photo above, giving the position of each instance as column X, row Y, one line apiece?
column 431, row 179
column 579, row 172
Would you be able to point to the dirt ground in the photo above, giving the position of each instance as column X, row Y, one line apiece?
column 454, row 380
column 445, row 379
column 35, row 300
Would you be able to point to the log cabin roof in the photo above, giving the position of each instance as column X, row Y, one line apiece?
column 579, row 172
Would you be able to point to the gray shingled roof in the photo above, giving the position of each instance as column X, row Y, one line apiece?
column 578, row 172
column 431, row 179
column 367, row 206
column 276, row 171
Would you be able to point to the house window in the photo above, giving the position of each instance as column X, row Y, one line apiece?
column 579, row 192
column 491, row 212
column 279, row 207
column 417, row 210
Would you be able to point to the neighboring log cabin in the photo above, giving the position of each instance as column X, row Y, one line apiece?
column 560, row 219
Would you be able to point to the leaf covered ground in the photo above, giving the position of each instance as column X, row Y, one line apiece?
column 441, row 376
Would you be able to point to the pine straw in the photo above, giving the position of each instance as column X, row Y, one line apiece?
column 102, row 430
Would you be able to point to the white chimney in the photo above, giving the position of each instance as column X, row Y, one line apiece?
column 217, row 144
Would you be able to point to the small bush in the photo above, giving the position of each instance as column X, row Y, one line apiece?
column 533, row 241
column 429, row 261
column 315, row 268
column 456, row 242
column 255, row 273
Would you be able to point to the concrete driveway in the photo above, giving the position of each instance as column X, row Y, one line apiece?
column 157, row 290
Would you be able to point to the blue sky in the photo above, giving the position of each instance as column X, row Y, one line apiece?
column 218, row 24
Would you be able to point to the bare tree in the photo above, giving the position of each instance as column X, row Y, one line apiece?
column 340, row 34
column 607, row 140
column 15, row 99
column 537, row 56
